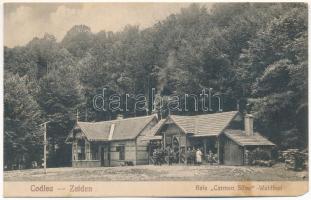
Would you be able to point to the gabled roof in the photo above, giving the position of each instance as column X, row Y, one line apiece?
column 157, row 127
column 206, row 124
column 242, row 139
column 122, row 129
column 151, row 134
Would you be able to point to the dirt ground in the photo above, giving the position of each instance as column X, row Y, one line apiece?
column 158, row 173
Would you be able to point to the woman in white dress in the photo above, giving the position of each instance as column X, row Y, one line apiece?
column 198, row 156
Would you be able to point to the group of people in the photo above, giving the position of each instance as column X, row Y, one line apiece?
column 161, row 156
column 193, row 156
column 158, row 156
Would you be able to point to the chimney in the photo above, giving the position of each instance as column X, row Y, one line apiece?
column 248, row 124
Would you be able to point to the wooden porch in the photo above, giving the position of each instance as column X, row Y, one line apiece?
column 183, row 146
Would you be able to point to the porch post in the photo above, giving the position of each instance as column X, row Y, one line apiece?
column 87, row 150
column 218, row 149
column 205, row 148
column 204, row 144
column 74, row 151
column 164, row 141
column 149, row 152
column 186, row 150
column 100, row 153
column 179, row 148
column 109, row 154
column 243, row 155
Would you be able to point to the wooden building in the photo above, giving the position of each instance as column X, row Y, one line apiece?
column 229, row 135
column 221, row 134
column 111, row 143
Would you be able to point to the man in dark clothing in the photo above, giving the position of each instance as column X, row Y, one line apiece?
column 170, row 155
column 188, row 156
column 155, row 157
column 193, row 152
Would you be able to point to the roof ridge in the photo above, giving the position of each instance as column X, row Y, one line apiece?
column 142, row 129
column 111, row 131
column 211, row 124
column 117, row 120
column 241, row 138
column 204, row 114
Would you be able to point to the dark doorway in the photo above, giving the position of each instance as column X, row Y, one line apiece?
column 105, row 156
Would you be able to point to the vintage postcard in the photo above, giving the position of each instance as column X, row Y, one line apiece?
column 155, row 99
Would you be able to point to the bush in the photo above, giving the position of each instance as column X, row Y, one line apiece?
column 295, row 159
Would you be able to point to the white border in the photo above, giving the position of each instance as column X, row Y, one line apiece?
column 306, row 196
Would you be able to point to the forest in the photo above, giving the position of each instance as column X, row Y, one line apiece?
column 252, row 54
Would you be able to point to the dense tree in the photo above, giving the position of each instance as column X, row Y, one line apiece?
column 22, row 116
column 274, row 61
column 20, row 60
column 60, row 97
column 78, row 40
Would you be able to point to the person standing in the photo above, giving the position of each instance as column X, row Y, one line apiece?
column 188, row 156
column 193, row 154
column 198, row 156
column 210, row 157
column 170, row 156
column 155, row 157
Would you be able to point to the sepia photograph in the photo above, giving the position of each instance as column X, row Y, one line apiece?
column 210, row 98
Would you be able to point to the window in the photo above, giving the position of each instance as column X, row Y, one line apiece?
column 81, row 150
column 94, row 151
column 87, row 150
column 121, row 150
column 74, row 150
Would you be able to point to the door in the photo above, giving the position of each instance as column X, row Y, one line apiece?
column 105, row 156
column 232, row 153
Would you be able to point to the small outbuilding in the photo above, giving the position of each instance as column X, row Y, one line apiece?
column 236, row 145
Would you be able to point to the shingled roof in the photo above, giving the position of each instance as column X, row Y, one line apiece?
column 206, row 124
column 151, row 134
column 122, row 129
column 153, row 131
column 242, row 139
